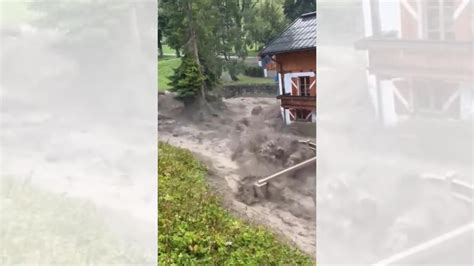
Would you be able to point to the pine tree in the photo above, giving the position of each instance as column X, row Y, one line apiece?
column 187, row 80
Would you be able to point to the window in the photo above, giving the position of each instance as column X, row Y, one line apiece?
column 439, row 20
column 304, row 86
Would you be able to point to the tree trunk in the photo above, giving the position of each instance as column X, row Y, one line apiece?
column 192, row 49
column 160, row 49
column 160, row 46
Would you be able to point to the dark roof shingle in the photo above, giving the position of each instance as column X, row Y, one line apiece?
column 299, row 35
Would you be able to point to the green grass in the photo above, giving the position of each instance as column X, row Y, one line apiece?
column 195, row 230
column 246, row 80
column 166, row 66
column 43, row 228
column 167, row 50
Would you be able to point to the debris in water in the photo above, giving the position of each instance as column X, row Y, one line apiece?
column 257, row 110
column 248, row 193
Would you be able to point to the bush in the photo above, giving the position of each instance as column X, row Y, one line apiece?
column 195, row 230
column 254, row 71
column 186, row 80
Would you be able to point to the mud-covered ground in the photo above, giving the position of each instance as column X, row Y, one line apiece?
column 246, row 141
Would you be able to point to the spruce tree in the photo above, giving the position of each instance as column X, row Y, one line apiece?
column 187, row 80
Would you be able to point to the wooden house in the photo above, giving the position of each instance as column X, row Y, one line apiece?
column 420, row 58
column 293, row 55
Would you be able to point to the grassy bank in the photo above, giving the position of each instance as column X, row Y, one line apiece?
column 195, row 230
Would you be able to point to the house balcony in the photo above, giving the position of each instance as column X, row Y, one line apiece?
column 298, row 102
column 394, row 57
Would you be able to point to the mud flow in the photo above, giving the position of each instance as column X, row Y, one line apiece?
column 242, row 141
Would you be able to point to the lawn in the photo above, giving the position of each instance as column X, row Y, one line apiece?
column 167, row 50
column 166, row 66
column 195, row 230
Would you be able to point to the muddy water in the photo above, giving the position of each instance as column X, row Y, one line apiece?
column 239, row 147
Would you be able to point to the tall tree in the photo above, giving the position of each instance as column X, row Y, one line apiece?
column 295, row 8
column 189, row 26
column 171, row 22
column 220, row 31
column 266, row 22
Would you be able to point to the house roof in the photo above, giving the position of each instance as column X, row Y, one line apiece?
column 299, row 35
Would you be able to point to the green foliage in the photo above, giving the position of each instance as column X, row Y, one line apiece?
column 295, row 8
column 235, row 67
column 211, row 69
column 254, row 71
column 223, row 28
column 176, row 25
column 172, row 22
column 186, row 80
column 266, row 23
column 195, row 230
column 232, row 16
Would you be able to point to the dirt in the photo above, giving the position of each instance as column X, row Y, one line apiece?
column 245, row 141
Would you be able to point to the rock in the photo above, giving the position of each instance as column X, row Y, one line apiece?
column 257, row 110
column 163, row 117
column 238, row 127
column 245, row 121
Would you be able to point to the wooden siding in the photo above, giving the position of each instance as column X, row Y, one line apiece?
column 304, row 61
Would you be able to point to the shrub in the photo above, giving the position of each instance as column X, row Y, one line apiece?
column 254, row 71
column 186, row 80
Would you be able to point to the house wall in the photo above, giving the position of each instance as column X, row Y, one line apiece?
column 304, row 61
column 395, row 93
column 296, row 64
column 291, row 65
column 289, row 76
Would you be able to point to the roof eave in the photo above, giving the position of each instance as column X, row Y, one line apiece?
column 263, row 53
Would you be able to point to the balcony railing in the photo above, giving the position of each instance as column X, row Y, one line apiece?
column 419, row 58
column 302, row 102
